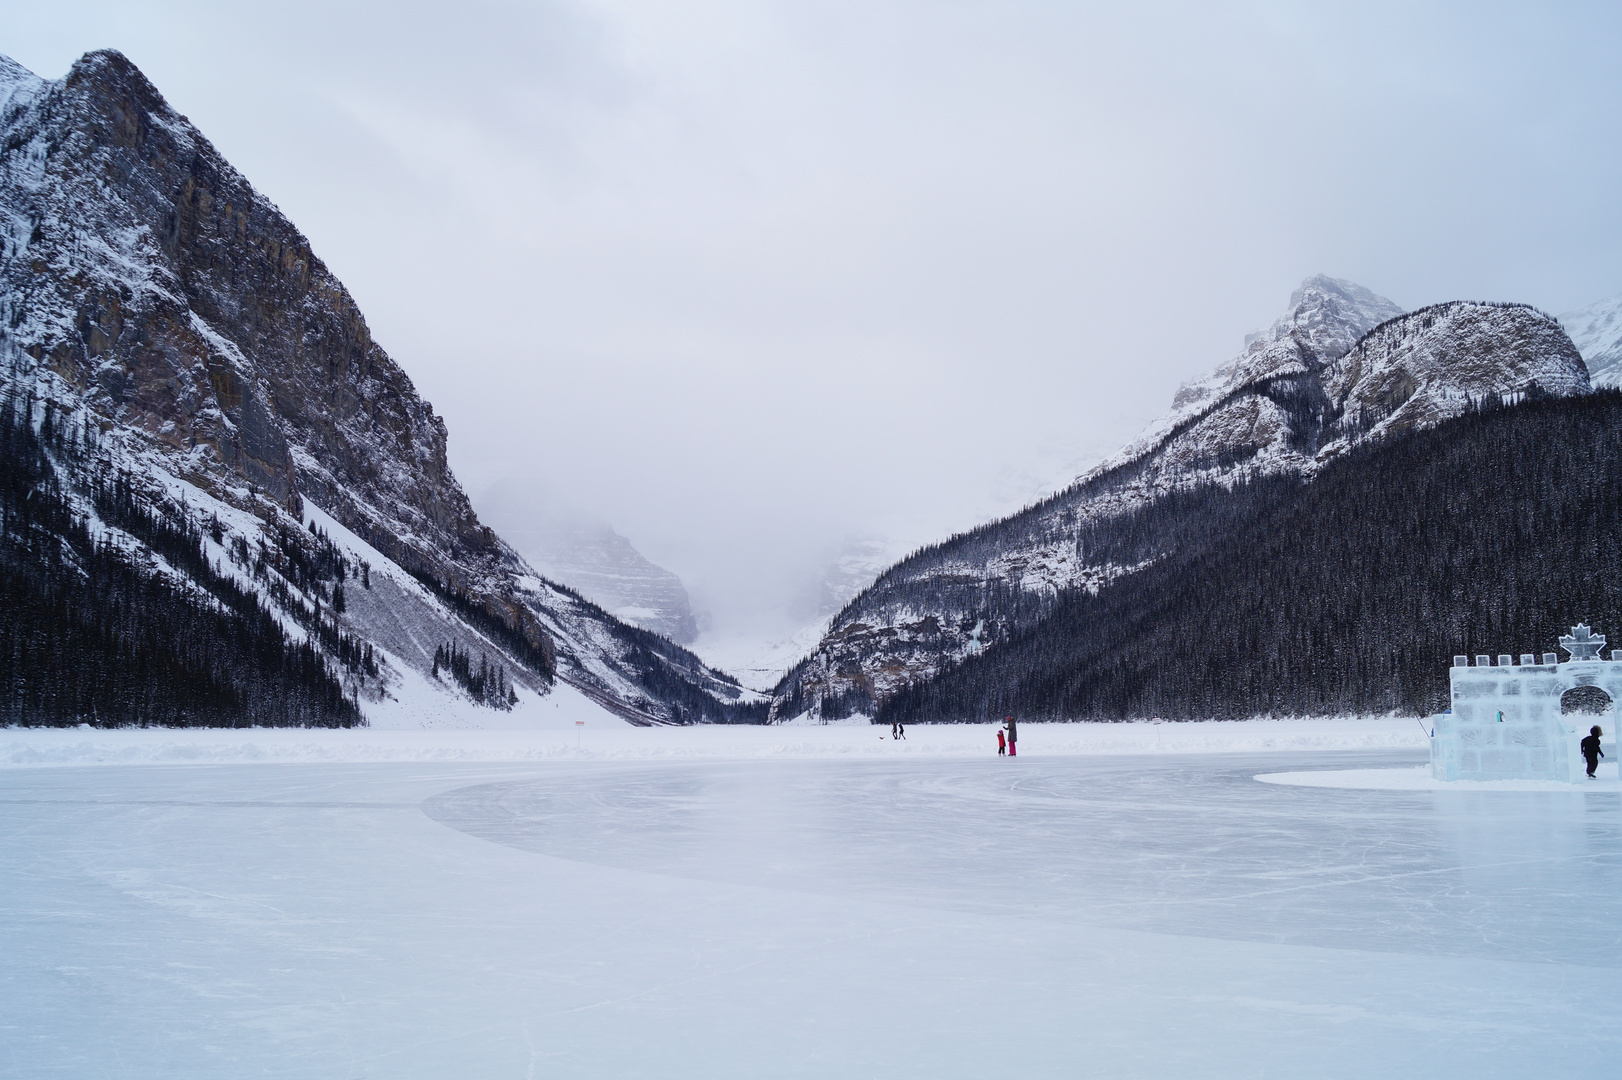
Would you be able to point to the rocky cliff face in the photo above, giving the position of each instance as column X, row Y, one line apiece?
column 148, row 274
column 1342, row 367
column 1246, row 409
column 1428, row 366
column 148, row 290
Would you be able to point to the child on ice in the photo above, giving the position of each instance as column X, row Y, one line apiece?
column 1002, row 743
column 1591, row 750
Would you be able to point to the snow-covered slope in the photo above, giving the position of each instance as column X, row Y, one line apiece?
column 609, row 571
column 151, row 296
column 577, row 549
column 1340, row 367
column 1227, row 412
column 1596, row 330
column 1430, row 365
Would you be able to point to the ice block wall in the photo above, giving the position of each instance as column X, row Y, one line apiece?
column 1506, row 722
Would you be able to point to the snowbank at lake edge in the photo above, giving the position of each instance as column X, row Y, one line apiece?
column 1419, row 778
column 613, row 740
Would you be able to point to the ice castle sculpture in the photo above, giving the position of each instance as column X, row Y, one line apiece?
column 1506, row 723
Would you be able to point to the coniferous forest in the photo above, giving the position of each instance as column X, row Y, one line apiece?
column 90, row 635
column 1491, row 533
column 487, row 684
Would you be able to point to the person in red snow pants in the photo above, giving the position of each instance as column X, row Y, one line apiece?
column 1013, row 738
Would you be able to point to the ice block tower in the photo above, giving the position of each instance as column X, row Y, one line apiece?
column 1506, row 722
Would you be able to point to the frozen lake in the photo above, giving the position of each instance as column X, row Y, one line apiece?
column 923, row 915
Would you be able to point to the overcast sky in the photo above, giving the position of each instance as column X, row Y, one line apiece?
column 746, row 278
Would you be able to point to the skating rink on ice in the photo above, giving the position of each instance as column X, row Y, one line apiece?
column 766, row 907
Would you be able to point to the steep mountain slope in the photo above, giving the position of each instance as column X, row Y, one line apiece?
column 86, row 632
column 1486, row 534
column 170, row 315
column 1596, row 330
column 574, row 548
column 607, row 569
column 1341, row 368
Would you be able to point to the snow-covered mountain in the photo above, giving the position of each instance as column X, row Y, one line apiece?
column 1596, row 330
column 1341, row 367
column 575, row 548
column 854, row 566
column 163, row 312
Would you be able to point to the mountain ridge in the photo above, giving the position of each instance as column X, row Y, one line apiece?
column 148, row 290
column 1341, row 367
column 1350, row 594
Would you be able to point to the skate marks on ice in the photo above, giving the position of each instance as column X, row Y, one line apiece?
column 293, row 920
column 1191, row 847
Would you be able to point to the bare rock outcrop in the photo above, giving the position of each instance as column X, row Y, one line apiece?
column 155, row 290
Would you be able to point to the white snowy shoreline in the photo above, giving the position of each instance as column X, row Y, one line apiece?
column 610, row 740
column 1418, row 778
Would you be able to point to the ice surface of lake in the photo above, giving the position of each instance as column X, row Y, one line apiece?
column 904, row 916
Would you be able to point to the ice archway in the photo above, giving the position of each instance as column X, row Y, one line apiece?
column 1506, row 721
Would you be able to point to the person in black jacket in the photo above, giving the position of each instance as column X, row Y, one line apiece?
column 1591, row 750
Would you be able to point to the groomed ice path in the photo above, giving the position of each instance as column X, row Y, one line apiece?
column 1118, row 901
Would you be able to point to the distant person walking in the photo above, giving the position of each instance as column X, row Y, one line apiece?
column 1002, row 743
column 1591, row 750
column 895, row 730
column 901, row 731
column 1013, row 738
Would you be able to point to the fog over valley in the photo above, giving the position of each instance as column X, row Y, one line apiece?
column 766, row 295
column 810, row 539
